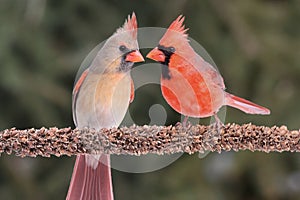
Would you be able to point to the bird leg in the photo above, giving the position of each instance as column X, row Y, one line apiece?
column 218, row 123
column 185, row 121
column 212, row 135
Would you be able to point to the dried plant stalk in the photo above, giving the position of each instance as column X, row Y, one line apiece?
column 138, row 140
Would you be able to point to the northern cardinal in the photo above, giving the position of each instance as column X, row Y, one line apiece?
column 190, row 85
column 101, row 97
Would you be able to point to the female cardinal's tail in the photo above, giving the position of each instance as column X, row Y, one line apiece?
column 245, row 105
column 91, row 181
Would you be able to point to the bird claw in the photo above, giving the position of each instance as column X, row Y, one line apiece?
column 211, row 137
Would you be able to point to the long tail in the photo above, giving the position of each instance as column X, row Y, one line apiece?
column 245, row 105
column 91, row 182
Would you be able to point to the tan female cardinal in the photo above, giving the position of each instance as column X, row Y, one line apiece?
column 100, row 99
column 190, row 85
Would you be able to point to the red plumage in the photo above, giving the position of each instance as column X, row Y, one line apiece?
column 190, row 85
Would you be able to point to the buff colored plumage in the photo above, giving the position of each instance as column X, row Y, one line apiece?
column 100, row 99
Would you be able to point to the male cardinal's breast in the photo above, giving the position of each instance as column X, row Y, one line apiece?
column 103, row 100
column 187, row 91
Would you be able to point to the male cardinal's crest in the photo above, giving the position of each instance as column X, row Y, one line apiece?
column 178, row 26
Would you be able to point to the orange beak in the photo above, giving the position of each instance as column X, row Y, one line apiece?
column 134, row 56
column 156, row 55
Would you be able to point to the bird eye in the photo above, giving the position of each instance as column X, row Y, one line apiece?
column 172, row 49
column 122, row 48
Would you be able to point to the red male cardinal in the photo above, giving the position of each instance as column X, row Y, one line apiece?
column 190, row 85
column 100, row 99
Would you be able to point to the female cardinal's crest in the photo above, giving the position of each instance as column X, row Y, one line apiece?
column 130, row 25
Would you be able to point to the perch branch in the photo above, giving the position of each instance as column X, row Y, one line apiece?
column 140, row 140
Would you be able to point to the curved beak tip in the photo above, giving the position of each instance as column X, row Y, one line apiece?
column 135, row 57
column 156, row 55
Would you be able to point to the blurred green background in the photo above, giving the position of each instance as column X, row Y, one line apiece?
column 255, row 44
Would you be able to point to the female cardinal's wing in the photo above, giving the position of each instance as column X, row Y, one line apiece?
column 132, row 92
column 75, row 93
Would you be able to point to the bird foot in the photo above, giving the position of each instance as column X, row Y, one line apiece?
column 213, row 133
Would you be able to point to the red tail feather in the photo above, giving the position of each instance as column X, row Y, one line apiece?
column 91, row 184
column 245, row 105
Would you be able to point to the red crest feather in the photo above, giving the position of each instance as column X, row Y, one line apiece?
column 177, row 25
